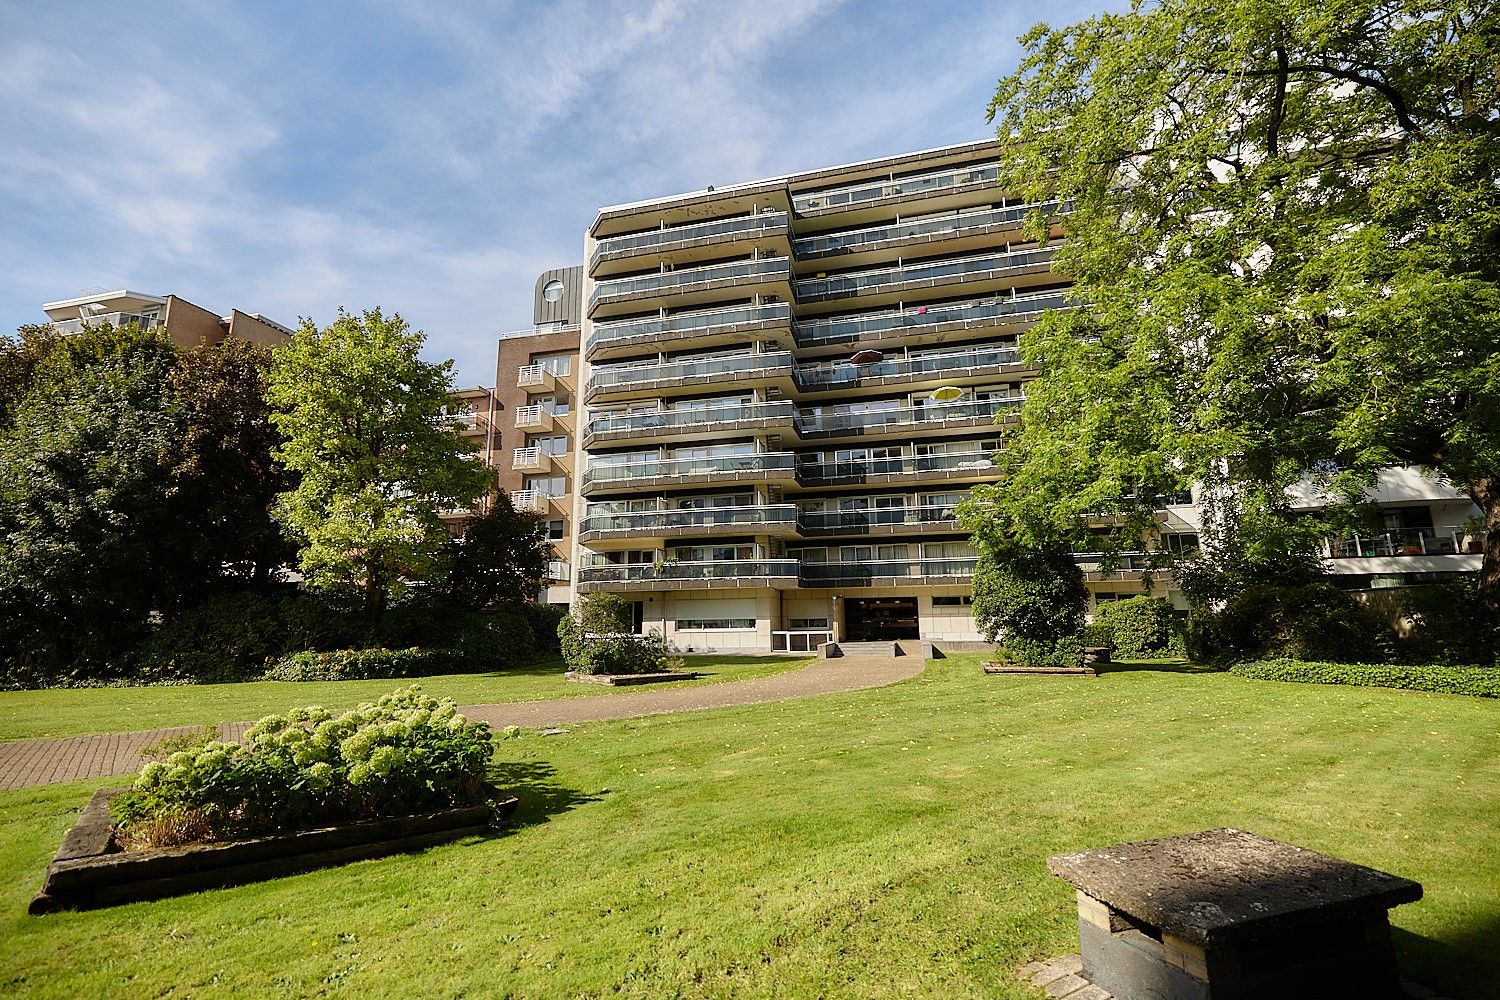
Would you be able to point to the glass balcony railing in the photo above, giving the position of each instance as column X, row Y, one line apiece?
column 840, row 286
column 847, row 329
column 682, row 323
column 839, row 374
column 832, row 423
column 671, row 420
column 1121, row 566
column 861, row 468
column 1398, row 542
column 764, row 462
column 867, row 191
column 608, row 377
column 740, row 225
column 848, row 573
column 114, row 319
column 727, row 569
column 646, row 522
column 849, row 242
column 862, row 520
column 668, row 280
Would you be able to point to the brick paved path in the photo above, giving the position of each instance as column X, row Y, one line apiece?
column 25, row 763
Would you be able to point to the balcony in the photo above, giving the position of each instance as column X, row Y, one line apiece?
column 886, row 573
column 533, row 418
column 530, row 459
column 966, row 226
column 1408, row 550
column 774, row 519
column 993, row 267
column 675, row 473
column 780, row 574
column 114, row 319
column 535, row 378
column 705, row 328
column 738, row 369
column 681, row 425
column 1009, row 313
column 528, row 501
column 972, row 177
column 918, row 421
column 715, row 236
column 690, row 284
column 1123, row 567
column 961, row 466
column 878, row 521
column 949, row 366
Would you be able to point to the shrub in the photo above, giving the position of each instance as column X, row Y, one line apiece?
column 544, row 619
column 592, row 641
column 1098, row 635
column 402, row 754
column 1449, row 623
column 1033, row 601
column 1479, row 682
column 362, row 664
column 1314, row 622
column 1141, row 626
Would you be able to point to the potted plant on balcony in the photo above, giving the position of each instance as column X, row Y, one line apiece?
column 1473, row 535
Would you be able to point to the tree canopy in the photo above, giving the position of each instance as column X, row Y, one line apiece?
column 368, row 428
column 1284, row 222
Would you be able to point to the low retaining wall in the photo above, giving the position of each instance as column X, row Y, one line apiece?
column 625, row 680
column 89, row 870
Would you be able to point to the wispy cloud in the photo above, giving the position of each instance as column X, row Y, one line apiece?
column 434, row 157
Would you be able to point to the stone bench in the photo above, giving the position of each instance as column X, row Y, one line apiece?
column 1228, row 915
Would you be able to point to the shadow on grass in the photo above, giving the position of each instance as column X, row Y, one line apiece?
column 535, row 784
column 1156, row 666
column 1463, row 966
column 701, row 663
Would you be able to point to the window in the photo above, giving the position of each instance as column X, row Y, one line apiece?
column 713, row 624
column 548, row 486
column 960, row 601
column 553, row 290
column 807, row 623
column 557, row 364
column 555, row 405
column 548, row 444
column 556, row 528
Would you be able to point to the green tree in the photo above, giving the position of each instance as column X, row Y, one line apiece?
column 83, row 473
column 19, row 357
column 366, row 427
column 499, row 558
column 1031, row 599
column 225, row 481
column 1285, row 221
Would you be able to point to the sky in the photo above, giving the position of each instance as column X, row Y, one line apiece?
column 290, row 158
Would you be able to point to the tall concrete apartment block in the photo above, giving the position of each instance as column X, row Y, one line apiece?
column 790, row 385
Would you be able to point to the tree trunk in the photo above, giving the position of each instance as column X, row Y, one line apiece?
column 1485, row 492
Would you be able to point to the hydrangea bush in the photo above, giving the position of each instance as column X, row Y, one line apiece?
column 405, row 753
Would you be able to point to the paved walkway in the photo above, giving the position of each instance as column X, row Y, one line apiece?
column 25, row 763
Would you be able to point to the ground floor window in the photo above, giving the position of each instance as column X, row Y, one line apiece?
column 960, row 601
column 713, row 624
column 807, row 623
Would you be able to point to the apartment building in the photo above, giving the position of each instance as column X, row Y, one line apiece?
column 534, row 417
column 789, row 386
column 187, row 325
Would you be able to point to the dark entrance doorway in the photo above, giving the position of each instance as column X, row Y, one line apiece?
column 868, row 619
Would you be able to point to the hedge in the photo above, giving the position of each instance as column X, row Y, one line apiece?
column 1141, row 626
column 1478, row 682
column 364, row 664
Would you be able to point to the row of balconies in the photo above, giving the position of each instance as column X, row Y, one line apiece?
column 780, row 574
column 963, row 365
column 785, row 468
column 773, row 276
column 783, row 417
column 772, row 520
column 720, row 326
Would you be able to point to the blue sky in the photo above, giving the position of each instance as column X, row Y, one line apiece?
column 433, row 158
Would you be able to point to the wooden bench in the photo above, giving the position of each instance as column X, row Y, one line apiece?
column 1228, row 915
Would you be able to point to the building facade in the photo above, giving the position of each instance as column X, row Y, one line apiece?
column 187, row 325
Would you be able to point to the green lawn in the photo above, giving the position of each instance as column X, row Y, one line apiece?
column 873, row 844
column 75, row 712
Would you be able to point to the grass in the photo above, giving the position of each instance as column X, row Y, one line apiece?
column 880, row 843
column 80, row 711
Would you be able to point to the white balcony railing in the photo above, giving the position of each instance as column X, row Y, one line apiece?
column 527, row 501
column 533, row 417
column 559, row 571
column 528, row 458
column 531, row 376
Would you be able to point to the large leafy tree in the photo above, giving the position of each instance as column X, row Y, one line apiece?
column 367, row 427
column 84, row 464
column 1286, row 226
column 500, row 557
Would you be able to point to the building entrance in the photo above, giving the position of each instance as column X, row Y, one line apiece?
column 870, row 619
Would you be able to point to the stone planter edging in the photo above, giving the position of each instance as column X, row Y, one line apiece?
column 88, row 872
column 625, row 680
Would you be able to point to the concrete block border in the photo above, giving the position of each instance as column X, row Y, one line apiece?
column 90, row 871
column 627, row 680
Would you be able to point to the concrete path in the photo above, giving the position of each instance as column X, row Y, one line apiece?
column 25, row 763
